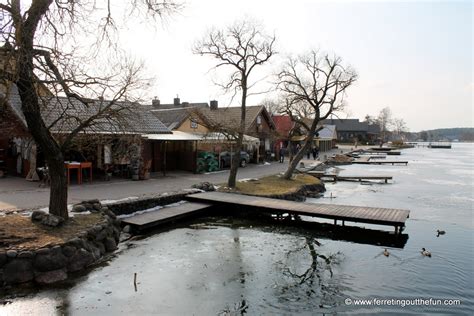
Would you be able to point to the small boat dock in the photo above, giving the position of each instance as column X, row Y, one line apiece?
column 342, row 213
column 368, row 161
column 360, row 178
column 165, row 215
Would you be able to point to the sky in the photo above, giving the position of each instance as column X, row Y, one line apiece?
column 412, row 56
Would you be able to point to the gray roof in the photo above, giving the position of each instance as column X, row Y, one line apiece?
column 229, row 117
column 172, row 106
column 352, row 125
column 65, row 114
column 172, row 118
column 328, row 132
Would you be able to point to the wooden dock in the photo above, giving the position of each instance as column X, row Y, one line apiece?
column 165, row 215
column 379, row 162
column 336, row 177
column 343, row 213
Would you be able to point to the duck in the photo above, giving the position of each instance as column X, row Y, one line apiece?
column 386, row 253
column 425, row 252
column 440, row 232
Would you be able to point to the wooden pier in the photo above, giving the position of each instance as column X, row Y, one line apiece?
column 379, row 162
column 360, row 178
column 165, row 215
column 342, row 213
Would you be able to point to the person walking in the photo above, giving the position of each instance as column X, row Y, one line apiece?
column 282, row 154
column 315, row 152
column 308, row 152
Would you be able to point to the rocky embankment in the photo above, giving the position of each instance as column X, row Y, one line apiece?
column 55, row 263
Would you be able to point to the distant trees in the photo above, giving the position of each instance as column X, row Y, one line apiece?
column 313, row 86
column 384, row 121
column 42, row 58
column 240, row 47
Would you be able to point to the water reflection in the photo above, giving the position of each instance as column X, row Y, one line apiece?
column 232, row 266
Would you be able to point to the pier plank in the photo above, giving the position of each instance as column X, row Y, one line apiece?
column 370, row 215
column 165, row 214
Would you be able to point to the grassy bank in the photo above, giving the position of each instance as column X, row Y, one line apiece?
column 273, row 185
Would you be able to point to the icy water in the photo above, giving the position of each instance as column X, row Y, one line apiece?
column 224, row 266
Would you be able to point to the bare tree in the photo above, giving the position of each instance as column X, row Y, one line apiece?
column 44, row 63
column 316, row 81
column 400, row 126
column 384, row 120
column 240, row 47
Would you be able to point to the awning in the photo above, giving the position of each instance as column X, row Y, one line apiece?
column 303, row 137
column 220, row 137
column 210, row 137
column 177, row 135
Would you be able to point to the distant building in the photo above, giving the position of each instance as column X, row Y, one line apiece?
column 350, row 130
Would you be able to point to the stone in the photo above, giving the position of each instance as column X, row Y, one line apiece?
column 51, row 277
column 127, row 229
column 205, row 186
column 26, row 254
column 18, row 271
column 37, row 215
column 52, row 220
column 3, row 258
column 88, row 206
column 93, row 201
column 69, row 251
column 116, row 233
column 108, row 212
column 53, row 261
column 101, row 248
column 101, row 235
column 76, row 242
column 124, row 237
column 12, row 253
column 95, row 252
column 79, row 208
column 110, row 244
column 43, row 251
column 97, row 206
column 81, row 259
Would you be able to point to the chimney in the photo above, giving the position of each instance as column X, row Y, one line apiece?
column 155, row 102
column 214, row 104
column 176, row 100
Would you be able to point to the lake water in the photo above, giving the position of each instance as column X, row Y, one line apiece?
column 225, row 266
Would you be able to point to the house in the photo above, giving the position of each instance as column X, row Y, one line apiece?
column 325, row 135
column 199, row 121
column 258, row 124
column 113, row 143
column 326, row 139
column 283, row 127
column 351, row 130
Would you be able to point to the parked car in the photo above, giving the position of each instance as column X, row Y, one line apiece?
column 225, row 158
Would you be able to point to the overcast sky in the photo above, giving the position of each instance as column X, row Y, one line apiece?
column 412, row 56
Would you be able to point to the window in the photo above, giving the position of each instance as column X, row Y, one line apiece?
column 194, row 124
column 259, row 120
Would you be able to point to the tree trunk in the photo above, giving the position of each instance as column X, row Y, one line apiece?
column 58, row 191
column 231, row 182
column 52, row 151
column 307, row 145
column 296, row 159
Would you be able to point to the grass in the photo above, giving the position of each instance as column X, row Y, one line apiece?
column 20, row 232
column 273, row 185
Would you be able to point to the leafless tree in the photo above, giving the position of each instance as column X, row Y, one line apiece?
column 241, row 47
column 385, row 121
column 400, row 127
column 44, row 63
column 314, row 81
